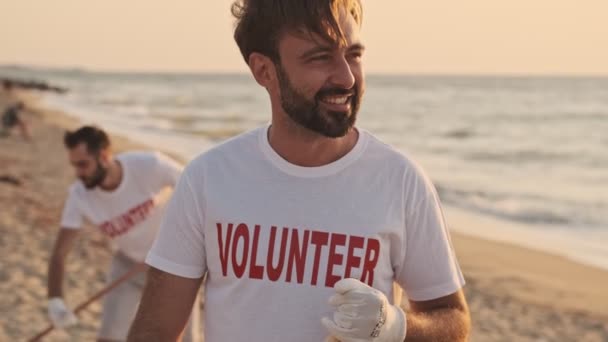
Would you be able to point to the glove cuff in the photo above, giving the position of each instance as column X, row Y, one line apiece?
column 395, row 328
column 56, row 302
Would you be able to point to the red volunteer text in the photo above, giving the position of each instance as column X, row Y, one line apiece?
column 123, row 223
column 293, row 247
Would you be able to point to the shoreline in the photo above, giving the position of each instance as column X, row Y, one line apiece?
column 515, row 293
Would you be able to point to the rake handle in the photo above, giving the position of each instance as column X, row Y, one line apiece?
column 133, row 271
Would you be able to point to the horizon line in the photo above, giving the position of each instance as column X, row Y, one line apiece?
column 80, row 69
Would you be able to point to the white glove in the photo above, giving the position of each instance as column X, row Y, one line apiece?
column 363, row 314
column 61, row 316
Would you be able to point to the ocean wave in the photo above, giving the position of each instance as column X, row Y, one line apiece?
column 459, row 133
column 212, row 134
column 519, row 156
column 527, row 208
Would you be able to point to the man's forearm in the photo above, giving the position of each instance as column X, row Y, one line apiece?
column 449, row 324
column 148, row 328
column 147, row 325
column 164, row 308
column 55, row 277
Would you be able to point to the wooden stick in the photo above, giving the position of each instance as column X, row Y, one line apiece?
column 132, row 272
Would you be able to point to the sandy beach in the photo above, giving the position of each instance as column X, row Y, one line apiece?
column 515, row 294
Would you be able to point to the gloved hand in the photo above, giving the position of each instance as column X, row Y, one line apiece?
column 61, row 316
column 363, row 313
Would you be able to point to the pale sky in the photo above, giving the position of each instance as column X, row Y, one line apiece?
column 402, row 36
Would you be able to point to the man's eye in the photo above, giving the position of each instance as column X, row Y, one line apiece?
column 320, row 58
column 356, row 55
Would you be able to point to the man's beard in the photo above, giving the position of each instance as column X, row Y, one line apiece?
column 96, row 179
column 307, row 113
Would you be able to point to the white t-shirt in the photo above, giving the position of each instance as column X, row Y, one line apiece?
column 274, row 237
column 130, row 214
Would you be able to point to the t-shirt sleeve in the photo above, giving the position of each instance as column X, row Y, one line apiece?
column 179, row 247
column 429, row 269
column 72, row 217
column 168, row 170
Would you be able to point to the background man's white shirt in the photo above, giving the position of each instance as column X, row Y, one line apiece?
column 131, row 214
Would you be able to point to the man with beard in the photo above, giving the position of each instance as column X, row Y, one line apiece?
column 303, row 225
column 124, row 196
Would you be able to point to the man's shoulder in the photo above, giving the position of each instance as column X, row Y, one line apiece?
column 233, row 154
column 137, row 156
column 76, row 188
column 387, row 154
column 383, row 157
column 234, row 147
column 140, row 159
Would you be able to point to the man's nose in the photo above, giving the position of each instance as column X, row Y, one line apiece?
column 342, row 75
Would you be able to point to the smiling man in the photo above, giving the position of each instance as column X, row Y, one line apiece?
column 303, row 225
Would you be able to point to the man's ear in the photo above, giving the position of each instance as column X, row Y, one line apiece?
column 105, row 155
column 263, row 69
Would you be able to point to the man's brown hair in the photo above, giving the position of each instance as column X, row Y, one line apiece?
column 93, row 137
column 260, row 23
